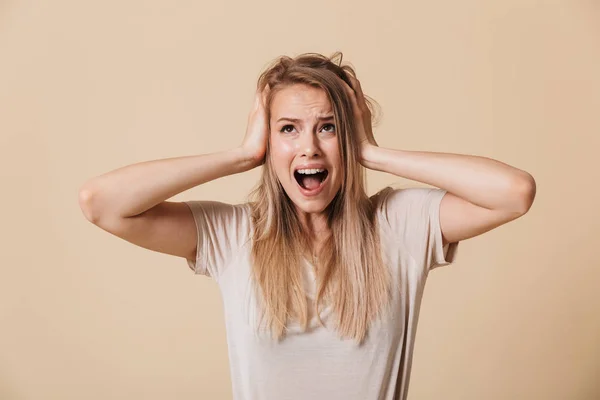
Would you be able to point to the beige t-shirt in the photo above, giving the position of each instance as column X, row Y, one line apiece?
column 317, row 364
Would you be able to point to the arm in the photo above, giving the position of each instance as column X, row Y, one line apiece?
column 482, row 193
column 136, row 188
column 130, row 202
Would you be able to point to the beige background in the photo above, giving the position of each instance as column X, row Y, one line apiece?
column 87, row 87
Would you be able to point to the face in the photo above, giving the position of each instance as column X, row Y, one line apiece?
column 304, row 147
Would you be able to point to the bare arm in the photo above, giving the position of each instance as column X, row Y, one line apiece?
column 482, row 193
column 130, row 202
column 486, row 193
column 134, row 189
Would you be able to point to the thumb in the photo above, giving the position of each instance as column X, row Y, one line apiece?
column 265, row 94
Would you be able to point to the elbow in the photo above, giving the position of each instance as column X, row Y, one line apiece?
column 86, row 198
column 525, row 193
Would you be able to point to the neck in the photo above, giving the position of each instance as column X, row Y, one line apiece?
column 315, row 224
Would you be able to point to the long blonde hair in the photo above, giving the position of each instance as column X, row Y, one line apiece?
column 351, row 275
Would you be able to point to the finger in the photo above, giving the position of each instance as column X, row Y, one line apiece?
column 358, row 100
column 355, row 84
column 349, row 91
column 361, row 106
column 352, row 95
column 263, row 95
column 361, row 97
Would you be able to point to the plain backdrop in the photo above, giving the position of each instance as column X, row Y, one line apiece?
column 88, row 87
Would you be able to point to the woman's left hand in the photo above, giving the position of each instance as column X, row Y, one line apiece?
column 362, row 114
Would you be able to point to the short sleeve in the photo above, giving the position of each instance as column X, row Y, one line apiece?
column 221, row 229
column 414, row 217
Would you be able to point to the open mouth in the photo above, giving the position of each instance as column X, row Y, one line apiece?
column 310, row 179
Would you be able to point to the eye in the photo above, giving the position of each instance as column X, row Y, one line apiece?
column 331, row 129
column 285, row 127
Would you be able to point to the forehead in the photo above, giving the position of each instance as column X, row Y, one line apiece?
column 301, row 100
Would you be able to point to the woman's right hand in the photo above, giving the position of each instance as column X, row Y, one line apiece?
column 254, row 145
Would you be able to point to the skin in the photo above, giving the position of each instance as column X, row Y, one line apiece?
column 482, row 193
column 311, row 139
column 131, row 201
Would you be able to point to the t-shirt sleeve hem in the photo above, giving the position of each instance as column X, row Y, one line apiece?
column 200, row 264
column 442, row 254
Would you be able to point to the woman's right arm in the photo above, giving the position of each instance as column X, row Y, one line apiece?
column 131, row 190
column 130, row 202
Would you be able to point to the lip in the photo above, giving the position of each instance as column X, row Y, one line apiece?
column 312, row 193
column 311, row 166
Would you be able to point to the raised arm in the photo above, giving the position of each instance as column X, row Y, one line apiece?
column 134, row 189
column 482, row 193
column 130, row 202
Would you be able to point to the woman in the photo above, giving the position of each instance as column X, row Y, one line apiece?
column 321, row 284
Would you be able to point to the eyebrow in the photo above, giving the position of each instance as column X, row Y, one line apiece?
column 322, row 118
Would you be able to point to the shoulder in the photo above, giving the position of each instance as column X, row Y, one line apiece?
column 396, row 204
column 222, row 230
column 221, row 218
column 411, row 217
column 219, row 210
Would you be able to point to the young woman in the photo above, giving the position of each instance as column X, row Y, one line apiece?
column 321, row 283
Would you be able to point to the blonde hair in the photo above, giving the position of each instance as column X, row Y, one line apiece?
column 351, row 275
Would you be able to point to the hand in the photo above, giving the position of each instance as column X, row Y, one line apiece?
column 254, row 144
column 362, row 113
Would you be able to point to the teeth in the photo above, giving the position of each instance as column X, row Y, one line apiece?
column 310, row 171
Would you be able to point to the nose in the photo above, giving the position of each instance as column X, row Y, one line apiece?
column 309, row 145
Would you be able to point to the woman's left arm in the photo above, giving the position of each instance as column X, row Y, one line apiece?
column 483, row 193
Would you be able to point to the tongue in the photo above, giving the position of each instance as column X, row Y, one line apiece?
column 310, row 182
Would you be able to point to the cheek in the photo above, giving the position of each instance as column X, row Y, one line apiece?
column 282, row 154
column 334, row 156
column 282, row 149
column 333, row 153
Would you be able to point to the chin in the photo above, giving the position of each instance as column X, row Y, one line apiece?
column 312, row 207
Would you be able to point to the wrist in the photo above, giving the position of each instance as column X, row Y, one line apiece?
column 368, row 155
column 246, row 159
